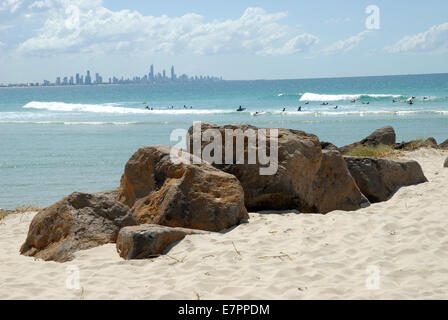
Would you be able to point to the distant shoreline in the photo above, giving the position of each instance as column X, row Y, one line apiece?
column 223, row 80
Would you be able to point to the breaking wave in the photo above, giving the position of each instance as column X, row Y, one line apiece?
column 344, row 97
column 112, row 109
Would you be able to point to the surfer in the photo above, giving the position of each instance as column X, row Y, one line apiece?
column 284, row 109
column 307, row 102
column 354, row 101
column 299, row 109
column 240, row 108
column 336, row 107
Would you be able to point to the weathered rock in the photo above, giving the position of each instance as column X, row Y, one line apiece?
column 195, row 196
column 431, row 142
column 77, row 222
column 444, row 145
column 149, row 240
column 308, row 179
column 379, row 179
column 328, row 146
column 384, row 136
column 445, row 165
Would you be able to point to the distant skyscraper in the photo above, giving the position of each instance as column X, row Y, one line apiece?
column 71, row 81
column 98, row 78
column 88, row 78
column 164, row 74
column 151, row 72
column 58, row 81
column 78, row 80
column 173, row 75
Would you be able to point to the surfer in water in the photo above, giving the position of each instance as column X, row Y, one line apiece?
column 307, row 102
column 299, row 109
column 240, row 108
column 284, row 109
column 336, row 107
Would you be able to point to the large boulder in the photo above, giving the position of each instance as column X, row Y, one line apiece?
column 384, row 136
column 161, row 190
column 444, row 145
column 149, row 240
column 379, row 179
column 307, row 178
column 77, row 222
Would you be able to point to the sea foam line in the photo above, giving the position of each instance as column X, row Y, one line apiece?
column 309, row 96
column 108, row 108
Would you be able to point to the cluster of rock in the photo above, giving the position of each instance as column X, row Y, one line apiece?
column 160, row 200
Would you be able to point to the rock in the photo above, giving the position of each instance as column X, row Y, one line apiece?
column 328, row 146
column 445, row 165
column 308, row 179
column 384, row 136
column 77, row 222
column 379, row 179
column 444, row 145
column 417, row 144
column 149, row 240
column 195, row 196
column 431, row 143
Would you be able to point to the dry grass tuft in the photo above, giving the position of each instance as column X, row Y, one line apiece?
column 417, row 144
column 380, row 151
column 19, row 210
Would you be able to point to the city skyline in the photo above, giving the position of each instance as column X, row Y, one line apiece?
column 150, row 78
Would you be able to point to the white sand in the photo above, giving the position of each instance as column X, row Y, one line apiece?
column 280, row 256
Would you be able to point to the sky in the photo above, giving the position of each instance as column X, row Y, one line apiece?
column 238, row 40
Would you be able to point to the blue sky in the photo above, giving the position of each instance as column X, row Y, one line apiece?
column 42, row 39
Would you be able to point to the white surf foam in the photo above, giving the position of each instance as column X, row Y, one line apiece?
column 112, row 108
column 309, row 96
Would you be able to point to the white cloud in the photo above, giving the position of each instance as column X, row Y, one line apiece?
column 346, row 45
column 435, row 40
column 10, row 5
column 296, row 44
column 88, row 27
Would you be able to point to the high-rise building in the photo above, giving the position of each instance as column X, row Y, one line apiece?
column 71, row 81
column 173, row 75
column 78, row 79
column 164, row 74
column 151, row 72
column 88, row 78
column 58, row 81
column 98, row 78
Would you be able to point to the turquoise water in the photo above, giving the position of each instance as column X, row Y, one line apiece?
column 56, row 140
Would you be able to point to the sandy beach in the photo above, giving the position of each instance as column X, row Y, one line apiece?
column 401, row 244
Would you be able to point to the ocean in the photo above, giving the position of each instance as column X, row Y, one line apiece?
column 57, row 140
